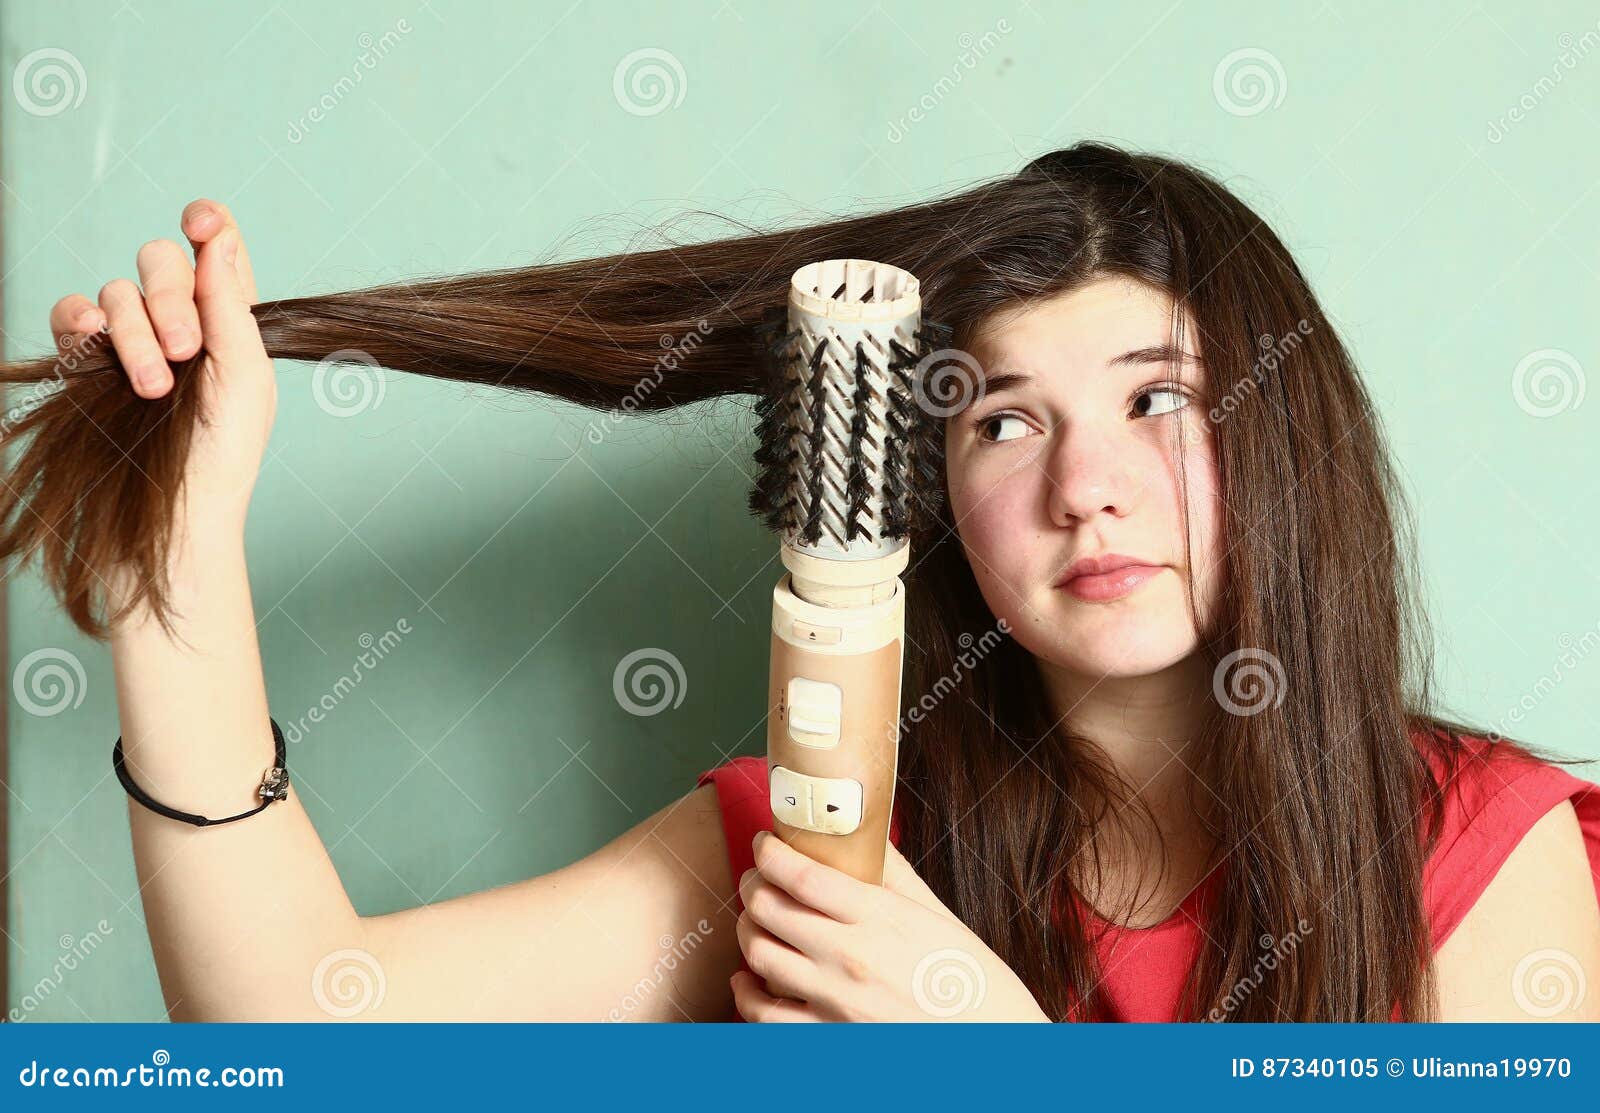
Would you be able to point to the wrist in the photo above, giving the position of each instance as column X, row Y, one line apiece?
column 201, row 551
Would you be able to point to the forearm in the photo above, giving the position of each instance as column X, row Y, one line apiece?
column 239, row 914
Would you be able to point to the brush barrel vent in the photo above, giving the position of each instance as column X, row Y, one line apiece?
column 842, row 429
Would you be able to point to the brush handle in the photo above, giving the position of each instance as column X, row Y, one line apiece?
column 833, row 726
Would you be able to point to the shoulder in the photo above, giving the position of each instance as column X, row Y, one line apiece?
column 1512, row 885
column 1492, row 793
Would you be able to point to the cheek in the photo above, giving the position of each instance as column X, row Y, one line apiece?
column 999, row 530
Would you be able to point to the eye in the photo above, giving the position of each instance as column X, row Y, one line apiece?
column 992, row 428
column 1144, row 408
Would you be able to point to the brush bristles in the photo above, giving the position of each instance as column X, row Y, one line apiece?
column 845, row 454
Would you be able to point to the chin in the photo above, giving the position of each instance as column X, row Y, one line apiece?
column 1107, row 641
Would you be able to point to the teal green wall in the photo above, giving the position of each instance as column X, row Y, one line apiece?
column 1446, row 245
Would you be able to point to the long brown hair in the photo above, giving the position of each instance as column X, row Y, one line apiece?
column 1321, row 798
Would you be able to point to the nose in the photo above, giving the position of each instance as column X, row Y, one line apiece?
column 1090, row 471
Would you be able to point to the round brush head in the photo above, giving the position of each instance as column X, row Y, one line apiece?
column 849, row 461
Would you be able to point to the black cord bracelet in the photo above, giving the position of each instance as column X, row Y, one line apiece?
column 274, row 786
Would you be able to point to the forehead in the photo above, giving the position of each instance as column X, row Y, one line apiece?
column 1086, row 326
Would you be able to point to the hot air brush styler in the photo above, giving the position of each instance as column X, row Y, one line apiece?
column 847, row 461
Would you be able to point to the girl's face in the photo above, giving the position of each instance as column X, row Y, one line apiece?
column 1071, row 450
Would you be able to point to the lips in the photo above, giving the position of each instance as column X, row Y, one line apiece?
column 1102, row 579
column 1094, row 566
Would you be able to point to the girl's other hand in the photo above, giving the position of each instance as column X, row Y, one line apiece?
column 830, row 947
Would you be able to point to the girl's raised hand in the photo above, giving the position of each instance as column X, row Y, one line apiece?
column 176, row 309
column 830, row 947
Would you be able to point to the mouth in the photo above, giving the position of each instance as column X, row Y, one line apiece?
column 1102, row 579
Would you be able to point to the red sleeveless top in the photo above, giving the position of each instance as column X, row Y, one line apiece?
column 1488, row 807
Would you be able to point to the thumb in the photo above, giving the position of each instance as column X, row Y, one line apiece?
column 228, row 326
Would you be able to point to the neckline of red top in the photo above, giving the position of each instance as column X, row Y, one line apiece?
column 1186, row 914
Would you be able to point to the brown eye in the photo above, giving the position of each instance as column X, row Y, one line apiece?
column 1144, row 407
column 992, row 428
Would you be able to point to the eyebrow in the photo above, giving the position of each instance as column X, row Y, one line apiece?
column 1153, row 353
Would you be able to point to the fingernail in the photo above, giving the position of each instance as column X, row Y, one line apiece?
column 176, row 338
column 230, row 245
